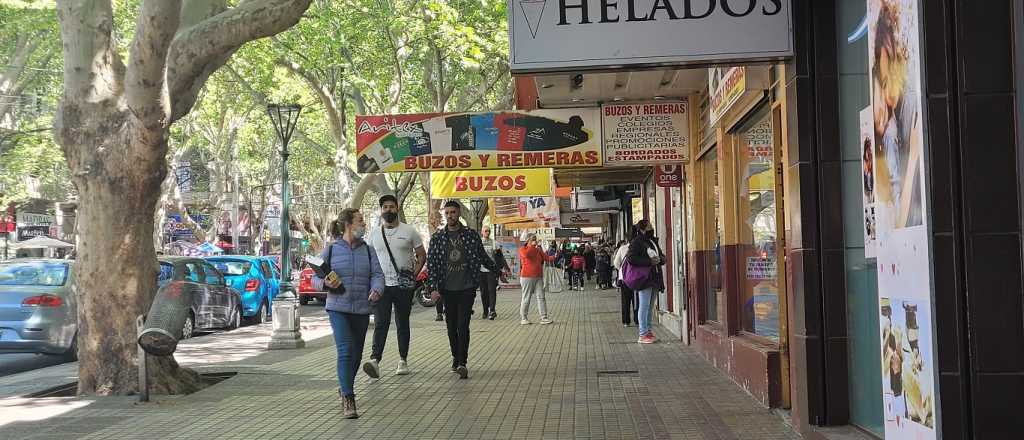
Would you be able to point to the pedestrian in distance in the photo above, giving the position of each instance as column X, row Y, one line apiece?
column 629, row 301
column 488, row 279
column 604, row 268
column 403, row 256
column 644, row 252
column 354, row 284
column 590, row 257
column 579, row 267
column 453, row 267
column 531, row 277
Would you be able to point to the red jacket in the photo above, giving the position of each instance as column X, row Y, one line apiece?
column 578, row 262
column 532, row 259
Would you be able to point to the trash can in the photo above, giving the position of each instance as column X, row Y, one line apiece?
column 166, row 318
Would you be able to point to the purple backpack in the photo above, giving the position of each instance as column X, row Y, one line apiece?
column 635, row 276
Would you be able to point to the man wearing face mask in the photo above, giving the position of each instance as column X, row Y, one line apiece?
column 401, row 253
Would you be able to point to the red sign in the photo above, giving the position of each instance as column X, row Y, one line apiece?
column 669, row 176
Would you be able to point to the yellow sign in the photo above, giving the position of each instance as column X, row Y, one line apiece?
column 490, row 183
column 726, row 86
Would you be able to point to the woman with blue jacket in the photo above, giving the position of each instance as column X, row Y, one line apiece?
column 360, row 275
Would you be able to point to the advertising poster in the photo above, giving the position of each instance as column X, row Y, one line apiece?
column 867, row 167
column 906, row 326
column 562, row 138
column 637, row 134
column 542, row 210
column 490, row 183
column 510, row 250
column 726, row 86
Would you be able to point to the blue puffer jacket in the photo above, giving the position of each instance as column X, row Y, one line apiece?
column 360, row 273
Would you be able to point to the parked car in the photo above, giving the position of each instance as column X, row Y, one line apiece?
column 258, row 278
column 38, row 309
column 307, row 292
column 216, row 305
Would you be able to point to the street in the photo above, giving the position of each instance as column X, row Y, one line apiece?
column 20, row 362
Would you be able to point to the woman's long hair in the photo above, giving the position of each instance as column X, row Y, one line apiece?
column 345, row 218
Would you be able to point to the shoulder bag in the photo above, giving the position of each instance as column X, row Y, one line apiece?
column 406, row 279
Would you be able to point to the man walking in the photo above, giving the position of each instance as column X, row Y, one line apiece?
column 401, row 255
column 453, row 265
column 488, row 279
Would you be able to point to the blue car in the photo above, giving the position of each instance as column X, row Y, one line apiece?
column 258, row 278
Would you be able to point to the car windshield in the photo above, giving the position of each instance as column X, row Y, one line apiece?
column 166, row 272
column 232, row 268
column 33, row 274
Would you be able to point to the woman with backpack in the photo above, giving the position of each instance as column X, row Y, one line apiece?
column 355, row 282
column 643, row 274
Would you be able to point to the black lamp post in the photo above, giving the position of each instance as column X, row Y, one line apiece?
column 286, row 313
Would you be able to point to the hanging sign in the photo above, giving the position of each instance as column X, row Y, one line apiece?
column 646, row 133
column 906, row 317
column 490, row 183
column 570, row 35
column 583, row 220
column 726, row 85
column 669, row 176
column 562, row 138
column 543, row 210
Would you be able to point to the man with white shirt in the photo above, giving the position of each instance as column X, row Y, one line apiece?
column 401, row 255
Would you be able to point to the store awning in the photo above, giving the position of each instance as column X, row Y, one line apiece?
column 591, row 178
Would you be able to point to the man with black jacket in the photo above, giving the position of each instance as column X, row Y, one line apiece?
column 453, row 264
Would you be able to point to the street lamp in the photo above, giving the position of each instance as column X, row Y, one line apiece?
column 286, row 308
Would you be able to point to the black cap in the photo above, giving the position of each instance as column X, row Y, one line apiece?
column 387, row 198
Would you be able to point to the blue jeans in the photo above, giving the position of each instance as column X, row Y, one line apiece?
column 646, row 295
column 349, row 338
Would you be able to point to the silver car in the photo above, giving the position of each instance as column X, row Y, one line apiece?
column 38, row 309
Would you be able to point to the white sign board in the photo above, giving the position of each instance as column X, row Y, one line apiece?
column 650, row 133
column 570, row 35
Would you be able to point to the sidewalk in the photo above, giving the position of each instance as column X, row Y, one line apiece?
column 583, row 377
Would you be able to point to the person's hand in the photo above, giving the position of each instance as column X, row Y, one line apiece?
column 374, row 296
column 435, row 296
column 656, row 260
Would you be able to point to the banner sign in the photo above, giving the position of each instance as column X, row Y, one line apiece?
column 726, row 86
column 30, row 232
column 637, row 134
column 669, row 176
column 867, row 166
column 543, row 210
column 573, row 35
column 490, row 183
column 562, row 138
column 583, row 220
column 30, row 219
column 903, row 252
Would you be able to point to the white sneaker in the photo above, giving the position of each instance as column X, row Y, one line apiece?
column 403, row 368
column 525, row 322
column 372, row 368
column 546, row 321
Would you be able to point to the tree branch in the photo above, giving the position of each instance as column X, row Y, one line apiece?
column 145, row 80
column 200, row 50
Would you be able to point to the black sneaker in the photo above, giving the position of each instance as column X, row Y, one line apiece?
column 440, row 317
column 492, row 315
column 455, row 366
column 463, row 372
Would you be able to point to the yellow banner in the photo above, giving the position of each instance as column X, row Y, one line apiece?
column 490, row 183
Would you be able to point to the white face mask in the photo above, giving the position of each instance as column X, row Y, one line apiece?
column 358, row 232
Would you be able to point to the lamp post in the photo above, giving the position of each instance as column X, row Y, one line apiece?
column 285, row 307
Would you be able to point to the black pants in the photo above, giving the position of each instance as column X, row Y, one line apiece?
column 630, row 304
column 457, row 304
column 488, row 291
column 402, row 301
column 439, row 306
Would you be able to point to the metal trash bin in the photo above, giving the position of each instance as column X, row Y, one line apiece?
column 166, row 318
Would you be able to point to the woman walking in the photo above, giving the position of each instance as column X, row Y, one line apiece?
column 531, row 276
column 357, row 284
column 645, row 253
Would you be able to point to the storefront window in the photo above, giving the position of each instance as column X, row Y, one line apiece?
column 756, row 208
column 713, row 236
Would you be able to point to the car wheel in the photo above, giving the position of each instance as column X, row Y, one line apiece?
column 261, row 314
column 189, row 328
column 236, row 320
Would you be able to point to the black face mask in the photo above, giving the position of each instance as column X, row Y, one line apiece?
column 649, row 234
column 390, row 217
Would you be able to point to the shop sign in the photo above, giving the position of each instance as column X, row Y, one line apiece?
column 570, row 35
column 542, row 210
column 649, row 133
column 179, row 230
column 760, row 147
column 30, row 219
column 759, row 268
column 562, row 138
column 726, row 85
column 906, row 318
column 583, row 220
column 30, row 232
column 490, row 183
column 669, row 176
